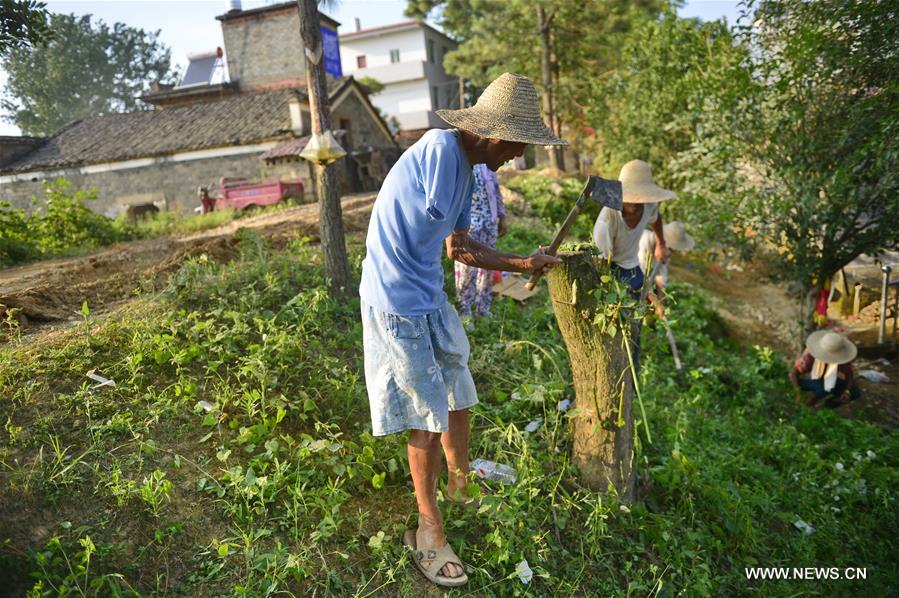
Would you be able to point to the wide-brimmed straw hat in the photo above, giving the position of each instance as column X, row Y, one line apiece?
column 507, row 110
column 830, row 347
column 637, row 185
column 676, row 236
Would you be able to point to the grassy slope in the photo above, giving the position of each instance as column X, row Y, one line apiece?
column 233, row 457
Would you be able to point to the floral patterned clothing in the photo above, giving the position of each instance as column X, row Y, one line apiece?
column 474, row 286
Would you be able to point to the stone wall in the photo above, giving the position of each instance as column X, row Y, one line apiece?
column 364, row 129
column 171, row 185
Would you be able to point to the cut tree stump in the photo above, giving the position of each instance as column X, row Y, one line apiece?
column 603, row 450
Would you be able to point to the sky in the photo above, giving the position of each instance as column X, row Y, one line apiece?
column 189, row 26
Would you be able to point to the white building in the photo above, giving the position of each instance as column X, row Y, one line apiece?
column 407, row 58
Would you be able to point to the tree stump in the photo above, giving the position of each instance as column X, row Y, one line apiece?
column 603, row 450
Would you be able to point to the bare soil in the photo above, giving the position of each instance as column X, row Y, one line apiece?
column 54, row 290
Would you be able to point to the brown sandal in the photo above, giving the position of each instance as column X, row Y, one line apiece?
column 437, row 558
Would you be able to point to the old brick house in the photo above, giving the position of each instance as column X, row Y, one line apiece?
column 252, row 126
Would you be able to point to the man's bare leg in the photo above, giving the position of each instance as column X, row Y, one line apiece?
column 424, row 463
column 455, row 447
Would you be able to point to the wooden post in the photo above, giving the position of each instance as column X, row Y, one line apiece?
column 333, row 243
column 603, row 429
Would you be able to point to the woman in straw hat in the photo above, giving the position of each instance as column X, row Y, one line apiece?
column 617, row 234
column 825, row 370
column 416, row 351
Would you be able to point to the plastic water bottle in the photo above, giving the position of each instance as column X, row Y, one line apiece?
column 497, row 472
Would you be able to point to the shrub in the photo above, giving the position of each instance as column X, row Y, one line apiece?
column 551, row 199
column 15, row 244
column 66, row 223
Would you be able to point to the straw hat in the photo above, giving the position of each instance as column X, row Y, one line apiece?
column 676, row 237
column 507, row 110
column 830, row 347
column 637, row 185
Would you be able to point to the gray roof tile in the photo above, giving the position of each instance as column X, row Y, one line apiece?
column 235, row 120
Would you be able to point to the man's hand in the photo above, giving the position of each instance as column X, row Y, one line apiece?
column 541, row 261
column 501, row 229
column 661, row 252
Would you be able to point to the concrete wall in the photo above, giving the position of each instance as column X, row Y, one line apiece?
column 409, row 93
column 376, row 49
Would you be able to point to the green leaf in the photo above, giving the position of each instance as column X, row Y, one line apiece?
column 378, row 480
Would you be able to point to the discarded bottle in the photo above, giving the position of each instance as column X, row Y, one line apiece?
column 497, row 472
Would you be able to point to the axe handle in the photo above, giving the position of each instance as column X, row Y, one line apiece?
column 554, row 246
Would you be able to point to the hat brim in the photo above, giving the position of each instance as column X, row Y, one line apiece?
column 646, row 194
column 846, row 354
column 505, row 127
column 684, row 243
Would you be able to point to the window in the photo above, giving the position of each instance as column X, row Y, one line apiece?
column 431, row 51
column 394, row 56
column 445, row 52
column 435, row 97
column 360, row 61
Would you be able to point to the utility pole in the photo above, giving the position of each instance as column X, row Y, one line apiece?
column 333, row 243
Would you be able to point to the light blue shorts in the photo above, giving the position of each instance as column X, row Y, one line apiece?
column 416, row 369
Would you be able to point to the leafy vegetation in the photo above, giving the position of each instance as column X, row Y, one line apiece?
column 63, row 224
column 779, row 133
column 233, row 455
column 23, row 23
column 60, row 224
column 86, row 68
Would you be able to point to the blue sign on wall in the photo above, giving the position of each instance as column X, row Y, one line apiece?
column 331, row 52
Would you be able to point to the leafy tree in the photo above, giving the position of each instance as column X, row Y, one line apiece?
column 561, row 45
column 86, row 69
column 23, row 23
column 779, row 135
column 814, row 132
column 661, row 103
column 372, row 86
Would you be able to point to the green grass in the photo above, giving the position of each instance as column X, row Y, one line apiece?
column 233, row 456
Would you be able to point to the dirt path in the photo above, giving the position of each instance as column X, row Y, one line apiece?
column 54, row 290
column 756, row 311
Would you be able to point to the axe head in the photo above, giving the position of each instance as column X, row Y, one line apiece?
column 605, row 192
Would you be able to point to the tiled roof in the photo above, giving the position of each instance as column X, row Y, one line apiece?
column 235, row 120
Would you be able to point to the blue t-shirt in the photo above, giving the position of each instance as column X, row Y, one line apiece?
column 425, row 196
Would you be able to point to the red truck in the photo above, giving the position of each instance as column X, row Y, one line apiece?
column 240, row 194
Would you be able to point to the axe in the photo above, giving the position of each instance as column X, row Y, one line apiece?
column 604, row 192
